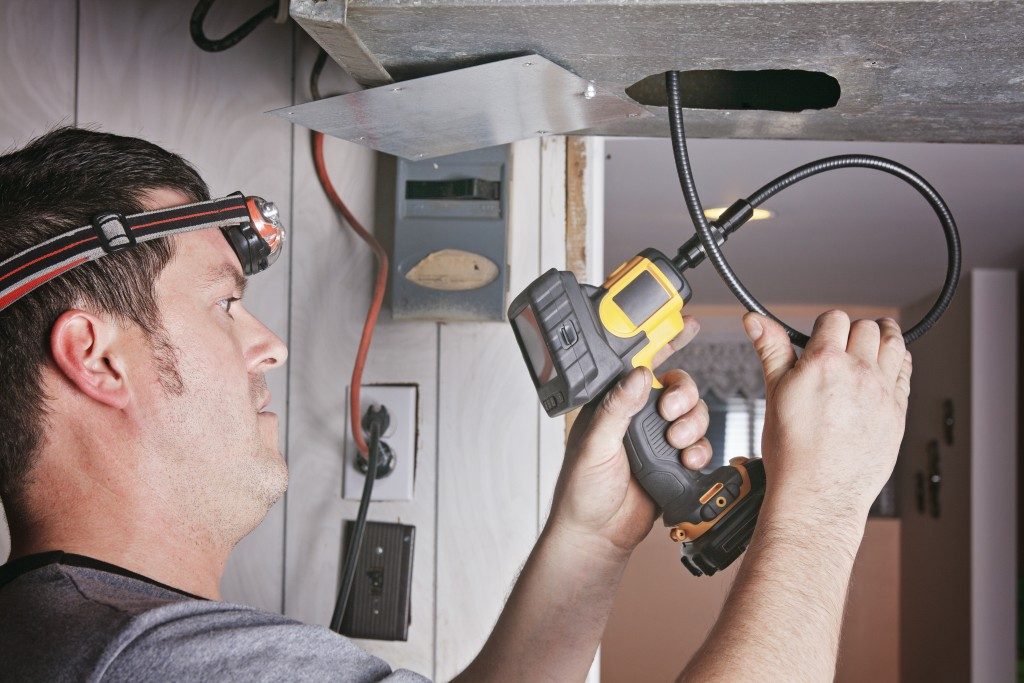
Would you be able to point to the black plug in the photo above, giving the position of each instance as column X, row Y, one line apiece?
column 376, row 421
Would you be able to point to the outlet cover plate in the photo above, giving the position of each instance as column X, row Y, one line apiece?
column 402, row 402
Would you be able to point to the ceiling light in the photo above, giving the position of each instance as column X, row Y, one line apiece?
column 759, row 214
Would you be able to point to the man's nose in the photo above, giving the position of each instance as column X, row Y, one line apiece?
column 268, row 350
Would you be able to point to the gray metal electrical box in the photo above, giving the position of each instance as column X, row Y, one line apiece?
column 450, row 241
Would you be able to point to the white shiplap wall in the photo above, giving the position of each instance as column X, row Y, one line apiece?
column 487, row 456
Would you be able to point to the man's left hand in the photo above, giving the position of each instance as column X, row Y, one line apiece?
column 597, row 499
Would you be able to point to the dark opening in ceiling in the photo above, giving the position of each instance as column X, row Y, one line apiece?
column 767, row 89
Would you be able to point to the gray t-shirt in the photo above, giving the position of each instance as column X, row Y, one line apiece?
column 66, row 617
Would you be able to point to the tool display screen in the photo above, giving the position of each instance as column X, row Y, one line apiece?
column 537, row 353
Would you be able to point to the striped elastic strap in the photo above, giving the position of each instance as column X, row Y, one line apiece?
column 110, row 233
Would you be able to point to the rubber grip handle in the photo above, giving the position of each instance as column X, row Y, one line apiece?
column 656, row 465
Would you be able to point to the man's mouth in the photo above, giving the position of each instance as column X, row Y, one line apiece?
column 265, row 403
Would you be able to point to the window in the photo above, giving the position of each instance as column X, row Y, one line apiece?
column 735, row 427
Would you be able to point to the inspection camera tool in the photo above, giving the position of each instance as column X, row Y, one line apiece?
column 251, row 226
column 578, row 340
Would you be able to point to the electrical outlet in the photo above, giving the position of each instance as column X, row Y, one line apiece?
column 401, row 401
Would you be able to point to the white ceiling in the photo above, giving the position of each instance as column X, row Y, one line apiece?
column 851, row 236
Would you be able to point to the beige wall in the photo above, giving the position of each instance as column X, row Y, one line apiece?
column 958, row 592
column 935, row 597
column 662, row 614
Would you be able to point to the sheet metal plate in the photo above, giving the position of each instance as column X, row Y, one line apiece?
column 480, row 106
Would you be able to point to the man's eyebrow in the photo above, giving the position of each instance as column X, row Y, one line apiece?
column 223, row 272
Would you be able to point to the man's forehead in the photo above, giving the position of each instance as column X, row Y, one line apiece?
column 208, row 257
column 202, row 257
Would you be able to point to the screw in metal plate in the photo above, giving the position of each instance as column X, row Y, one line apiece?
column 634, row 115
column 379, row 550
column 527, row 63
column 591, row 91
column 543, row 132
column 397, row 89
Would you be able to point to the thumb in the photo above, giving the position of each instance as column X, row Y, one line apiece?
column 608, row 426
column 772, row 345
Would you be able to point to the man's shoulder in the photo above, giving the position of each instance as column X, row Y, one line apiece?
column 223, row 641
column 93, row 624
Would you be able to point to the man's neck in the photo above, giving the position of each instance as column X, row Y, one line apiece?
column 134, row 534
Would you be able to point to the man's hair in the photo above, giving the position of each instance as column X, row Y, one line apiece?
column 56, row 183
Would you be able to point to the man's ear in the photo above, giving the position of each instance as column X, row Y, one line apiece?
column 83, row 347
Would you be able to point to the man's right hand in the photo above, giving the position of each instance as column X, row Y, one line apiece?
column 835, row 417
column 832, row 430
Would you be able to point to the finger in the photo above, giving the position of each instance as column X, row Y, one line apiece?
column 831, row 332
column 611, row 417
column 891, row 349
column 697, row 456
column 864, row 339
column 903, row 379
column 690, row 428
column 772, row 345
column 680, row 395
column 690, row 329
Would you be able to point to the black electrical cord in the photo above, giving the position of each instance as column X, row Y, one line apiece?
column 711, row 245
column 231, row 39
column 356, row 542
column 314, row 74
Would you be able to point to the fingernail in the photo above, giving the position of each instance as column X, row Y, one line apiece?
column 634, row 382
column 753, row 327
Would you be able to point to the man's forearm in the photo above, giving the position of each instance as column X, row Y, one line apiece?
column 554, row 619
column 784, row 614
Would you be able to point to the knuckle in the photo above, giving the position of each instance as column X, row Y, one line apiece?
column 862, row 369
column 865, row 326
column 892, row 339
column 613, row 402
column 822, row 356
column 834, row 314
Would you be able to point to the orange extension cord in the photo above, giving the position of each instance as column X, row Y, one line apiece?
column 378, row 289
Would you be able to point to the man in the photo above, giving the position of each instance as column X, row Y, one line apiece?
column 135, row 452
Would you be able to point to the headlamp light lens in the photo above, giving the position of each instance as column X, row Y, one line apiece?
column 265, row 219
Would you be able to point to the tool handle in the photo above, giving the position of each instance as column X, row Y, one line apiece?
column 677, row 490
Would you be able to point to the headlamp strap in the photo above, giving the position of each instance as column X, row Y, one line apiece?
column 107, row 234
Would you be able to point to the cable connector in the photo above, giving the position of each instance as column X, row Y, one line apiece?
column 691, row 254
column 376, row 416
column 376, row 421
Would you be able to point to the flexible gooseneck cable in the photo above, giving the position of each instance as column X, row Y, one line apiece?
column 710, row 245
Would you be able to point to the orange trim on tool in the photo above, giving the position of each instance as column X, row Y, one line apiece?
column 687, row 531
column 14, row 294
column 710, row 492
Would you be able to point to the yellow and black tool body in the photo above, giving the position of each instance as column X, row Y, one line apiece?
column 578, row 340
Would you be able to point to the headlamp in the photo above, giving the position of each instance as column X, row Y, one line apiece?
column 251, row 225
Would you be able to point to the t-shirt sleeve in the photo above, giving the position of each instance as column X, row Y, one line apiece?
column 220, row 642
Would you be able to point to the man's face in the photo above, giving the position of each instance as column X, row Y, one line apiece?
column 206, row 394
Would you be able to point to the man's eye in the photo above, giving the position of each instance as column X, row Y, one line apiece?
column 226, row 304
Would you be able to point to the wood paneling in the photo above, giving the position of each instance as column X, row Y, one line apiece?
column 552, row 252
column 331, row 293
column 37, row 73
column 487, row 450
column 140, row 74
